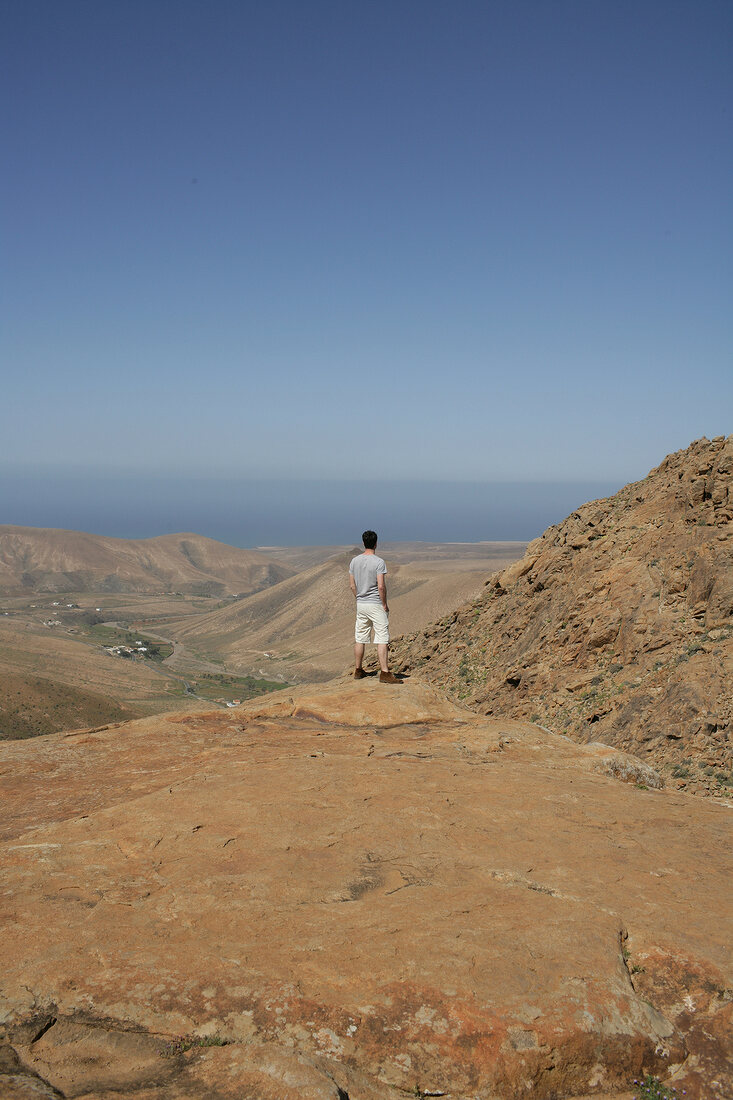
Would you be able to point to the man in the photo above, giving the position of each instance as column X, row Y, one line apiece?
column 366, row 580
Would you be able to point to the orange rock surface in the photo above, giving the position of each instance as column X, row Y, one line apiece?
column 363, row 891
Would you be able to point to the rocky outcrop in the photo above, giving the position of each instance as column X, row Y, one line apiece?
column 616, row 626
column 359, row 891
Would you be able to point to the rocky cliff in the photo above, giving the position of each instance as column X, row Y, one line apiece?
column 356, row 892
column 616, row 626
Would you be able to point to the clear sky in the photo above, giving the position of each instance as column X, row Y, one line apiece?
column 377, row 240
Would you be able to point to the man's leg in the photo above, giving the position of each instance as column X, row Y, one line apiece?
column 362, row 631
column 381, row 637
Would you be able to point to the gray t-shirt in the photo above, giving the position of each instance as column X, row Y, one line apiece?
column 364, row 570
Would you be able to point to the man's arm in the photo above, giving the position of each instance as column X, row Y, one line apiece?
column 352, row 585
column 382, row 588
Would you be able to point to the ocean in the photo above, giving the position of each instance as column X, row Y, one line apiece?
column 246, row 512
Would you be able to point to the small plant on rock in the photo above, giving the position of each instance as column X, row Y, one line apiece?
column 188, row 1042
column 651, row 1088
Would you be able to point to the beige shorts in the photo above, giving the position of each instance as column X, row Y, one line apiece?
column 370, row 615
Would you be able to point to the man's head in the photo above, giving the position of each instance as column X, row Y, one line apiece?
column 369, row 538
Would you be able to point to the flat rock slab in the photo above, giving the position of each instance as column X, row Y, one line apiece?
column 360, row 890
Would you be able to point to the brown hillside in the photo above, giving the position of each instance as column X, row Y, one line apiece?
column 46, row 560
column 286, row 611
column 616, row 625
column 33, row 705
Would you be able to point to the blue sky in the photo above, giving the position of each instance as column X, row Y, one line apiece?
column 376, row 241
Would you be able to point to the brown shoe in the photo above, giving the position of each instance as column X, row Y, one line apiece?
column 388, row 678
column 359, row 673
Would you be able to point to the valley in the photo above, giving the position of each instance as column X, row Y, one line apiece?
column 67, row 668
column 87, row 657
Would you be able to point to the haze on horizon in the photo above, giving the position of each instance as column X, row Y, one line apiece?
column 358, row 258
column 292, row 513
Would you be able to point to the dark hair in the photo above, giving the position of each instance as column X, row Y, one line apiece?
column 369, row 538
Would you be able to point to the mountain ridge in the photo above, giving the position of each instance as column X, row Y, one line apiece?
column 52, row 560
column 617, row 625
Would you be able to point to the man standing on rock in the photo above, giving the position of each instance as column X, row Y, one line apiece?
column 366, row 579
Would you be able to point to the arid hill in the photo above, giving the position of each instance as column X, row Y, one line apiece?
column 306, row 623
column 616, row 626
column 453, row 557
column 46, row 560
column 356, row 892
column 36, row 705
column 51, row 682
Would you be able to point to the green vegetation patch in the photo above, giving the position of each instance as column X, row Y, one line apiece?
column 217, row 686
column 117, row 636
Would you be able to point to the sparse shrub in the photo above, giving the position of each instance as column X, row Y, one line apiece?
column 90, row 618
column 652, row 1088
column 464, row 669
column 188, row 1042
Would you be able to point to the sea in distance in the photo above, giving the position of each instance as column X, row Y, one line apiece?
column 257, row 512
